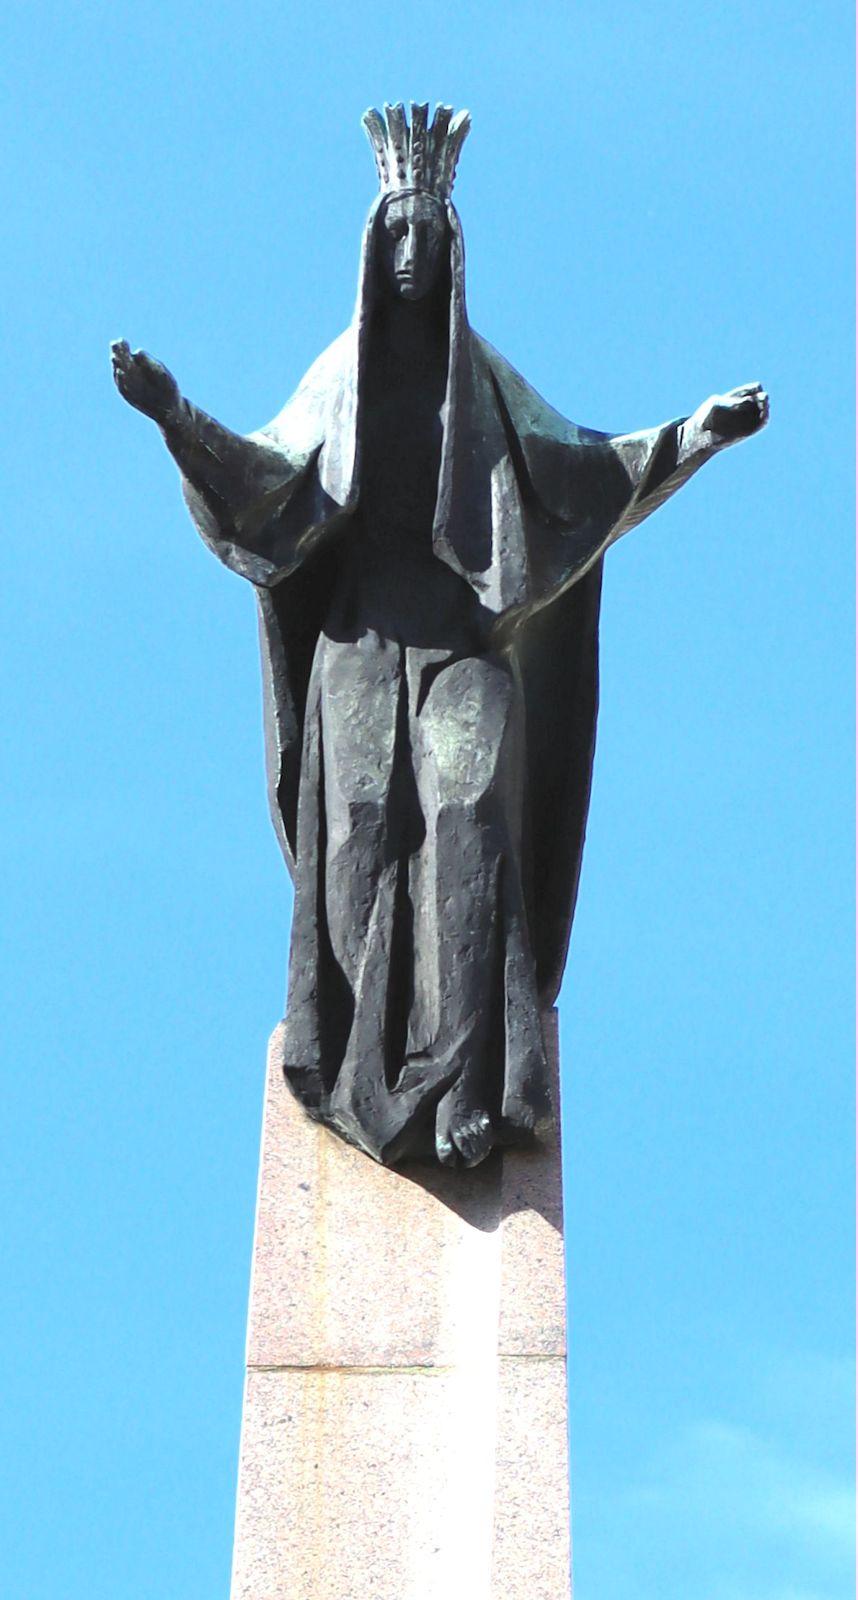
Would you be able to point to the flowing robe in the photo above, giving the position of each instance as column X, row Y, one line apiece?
column 429, row 756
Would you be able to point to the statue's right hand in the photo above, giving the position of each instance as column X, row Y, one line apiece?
column 144, row 382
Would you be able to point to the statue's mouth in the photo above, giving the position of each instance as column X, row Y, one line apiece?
column 408, row 284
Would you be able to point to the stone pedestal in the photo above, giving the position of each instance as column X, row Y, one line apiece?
column 404, row 1425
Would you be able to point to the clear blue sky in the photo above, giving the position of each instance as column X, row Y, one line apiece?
column 657, row 203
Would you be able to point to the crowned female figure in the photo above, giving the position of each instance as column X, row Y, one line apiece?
column 425, row 538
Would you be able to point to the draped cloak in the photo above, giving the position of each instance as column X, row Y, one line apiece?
column 527, row 504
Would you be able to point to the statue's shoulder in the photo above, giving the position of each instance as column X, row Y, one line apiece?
column 528, row 411
column 300, row 426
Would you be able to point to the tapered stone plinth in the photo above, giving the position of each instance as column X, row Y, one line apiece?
column 404, row 1426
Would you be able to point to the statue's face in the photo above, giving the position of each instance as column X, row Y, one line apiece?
column 412, row 235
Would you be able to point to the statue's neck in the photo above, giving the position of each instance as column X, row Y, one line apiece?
column 414, row 331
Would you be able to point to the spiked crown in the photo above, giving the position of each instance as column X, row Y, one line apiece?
column 421, row 156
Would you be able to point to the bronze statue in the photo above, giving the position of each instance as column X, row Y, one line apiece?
column 425, row 537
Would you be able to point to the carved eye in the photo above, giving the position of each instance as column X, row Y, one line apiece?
column 397, row 229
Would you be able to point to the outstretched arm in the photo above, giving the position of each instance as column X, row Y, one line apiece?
column 258, row 507
column 227, row 470
column 660, row 461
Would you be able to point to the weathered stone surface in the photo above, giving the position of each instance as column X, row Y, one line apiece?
column 532, row 1313
column 365, row 1283
column 359, row 1483
column 530, row 1547
column 404, row 1428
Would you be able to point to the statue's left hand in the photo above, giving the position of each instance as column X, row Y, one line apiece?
column 144, row 382
column 735, row 415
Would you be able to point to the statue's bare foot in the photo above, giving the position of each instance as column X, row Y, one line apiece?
column 462, row 1135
